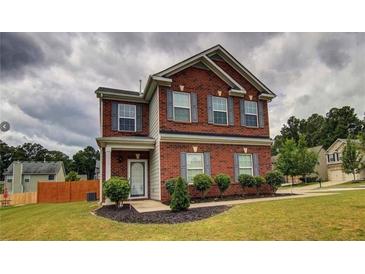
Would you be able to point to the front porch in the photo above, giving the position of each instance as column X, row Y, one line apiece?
column 127, row 157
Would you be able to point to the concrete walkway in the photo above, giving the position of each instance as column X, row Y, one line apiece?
column 143, row 206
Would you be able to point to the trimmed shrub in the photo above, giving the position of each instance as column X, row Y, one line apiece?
column 202, row 183
column 246, row 180
column 274, row 179
column 117, row 189
column 170, row 185
column 72, row 176
column 259, row 181
column 223, row 181
column 180, row 199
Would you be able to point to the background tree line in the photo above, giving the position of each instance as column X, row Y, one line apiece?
column 319, row 130
column 82, row 162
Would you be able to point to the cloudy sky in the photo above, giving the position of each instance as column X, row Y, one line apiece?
column 48, row 79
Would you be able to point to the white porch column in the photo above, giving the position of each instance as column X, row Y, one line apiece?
column 108, row 160
column 101, row 172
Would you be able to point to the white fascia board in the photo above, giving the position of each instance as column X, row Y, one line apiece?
column 266, row 96
column 126, row 141
column 222, row 74
column 187, row 61
column 243, row 71
column 152, row 83
column 182, row 138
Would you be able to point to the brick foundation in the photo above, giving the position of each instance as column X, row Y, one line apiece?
column 221, row 161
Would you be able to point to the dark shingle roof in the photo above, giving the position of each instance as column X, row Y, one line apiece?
column 37, row 168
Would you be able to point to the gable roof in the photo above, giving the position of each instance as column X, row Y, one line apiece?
column 37, row 168
column 205, row 57
column 342, row 141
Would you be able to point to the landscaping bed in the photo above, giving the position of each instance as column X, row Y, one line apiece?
column 128, row 214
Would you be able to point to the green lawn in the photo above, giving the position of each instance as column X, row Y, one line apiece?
column 335, row 217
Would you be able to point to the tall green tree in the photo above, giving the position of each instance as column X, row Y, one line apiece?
column 307, row 159
column 5, row 158
column 339, row 123
column 293, row 128
column 85, row 161
column 351, row 158
column 56, row 156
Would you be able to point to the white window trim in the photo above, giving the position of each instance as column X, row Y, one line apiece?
column 256, row 114
column 194, row 168
column 135, row 118
column 173, row 106
column 247, row 167
column 26, row 177
column 220, row 110
column 54, row 177
column 9, row 177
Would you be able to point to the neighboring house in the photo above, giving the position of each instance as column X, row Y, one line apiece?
column 320, row 169
column 334, row 163
column 24, row 176
column 207, row 114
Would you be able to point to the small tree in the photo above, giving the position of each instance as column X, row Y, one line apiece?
column 180, row 199
column 170, row 185
column 223, row 181
column 246, row 180
column 117, row 189
column 202, row 183
column 72, row 176
column 351, row 158
column 307, row 159
column 288, row 159
column 274, row 179
column 259, row 181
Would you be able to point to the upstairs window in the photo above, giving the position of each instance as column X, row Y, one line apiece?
column 220, row 110
column 245, row 164
column 26, row 179
column 127, row 117
column 194, row 165
column 251, row 113
column 182, row 108
column 9, row 179
column 51, row 177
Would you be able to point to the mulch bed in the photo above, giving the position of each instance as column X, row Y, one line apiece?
column 128, row 214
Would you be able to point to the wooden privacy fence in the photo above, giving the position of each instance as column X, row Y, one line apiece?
column 61, row 192
column 21, row 198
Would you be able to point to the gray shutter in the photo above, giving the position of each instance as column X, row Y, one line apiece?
column 207, row 163
column 242, row 112
column 114, row 116
column 139, row 117
column 261, row 113
column 236, row 167
column 256, row 165
column 230, row 111
column 194, row 107
column 170, row 107
column 210, row 109
column 183, row 170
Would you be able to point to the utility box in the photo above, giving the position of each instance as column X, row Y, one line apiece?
column 91, row 196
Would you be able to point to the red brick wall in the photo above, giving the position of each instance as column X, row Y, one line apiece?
column 119, row 162
column 107, row 120
column 221, row 161
column 205, row 83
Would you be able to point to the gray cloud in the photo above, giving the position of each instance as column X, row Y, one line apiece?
column 48, row 79
column 16, row 52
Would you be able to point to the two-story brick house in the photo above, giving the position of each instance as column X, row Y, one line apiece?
column 206, row 114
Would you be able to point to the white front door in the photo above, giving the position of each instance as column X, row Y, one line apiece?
column 137, row 174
